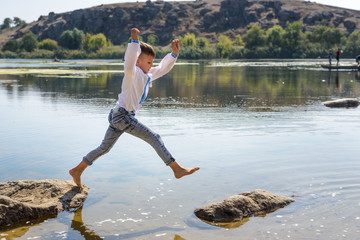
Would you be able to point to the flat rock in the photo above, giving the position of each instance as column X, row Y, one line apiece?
column 344, row 102
column 242, row 205
column 30, row 199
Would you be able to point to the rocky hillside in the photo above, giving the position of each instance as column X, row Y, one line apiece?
column 207, row 18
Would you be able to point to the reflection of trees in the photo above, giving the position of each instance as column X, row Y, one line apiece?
column 203, row 84
column 265, row 86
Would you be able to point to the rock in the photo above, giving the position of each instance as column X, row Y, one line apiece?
column 327, row 15
column 288, row 15
column 25, row 200
column 345, row 102
column 350, row 25
column 241, row 206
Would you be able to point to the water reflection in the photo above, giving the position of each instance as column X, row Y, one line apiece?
column 20, row 229
column 201, row 85
column 253, row 128
column 78, row 225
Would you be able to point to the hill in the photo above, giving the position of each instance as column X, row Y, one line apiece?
column 205, row 18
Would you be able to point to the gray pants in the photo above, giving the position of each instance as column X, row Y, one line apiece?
column 123, row 121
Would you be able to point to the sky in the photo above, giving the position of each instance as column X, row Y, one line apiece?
column 31, row 10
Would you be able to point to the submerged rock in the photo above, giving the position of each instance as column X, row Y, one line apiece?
column 241, row 206
column 26, row 200
column 345, row 102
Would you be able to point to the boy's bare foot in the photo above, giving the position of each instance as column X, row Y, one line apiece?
column 180, row 171
column 76, row 177
column 76, row 173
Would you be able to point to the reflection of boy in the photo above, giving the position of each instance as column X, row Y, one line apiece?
column 358, row 60
column 139, row 72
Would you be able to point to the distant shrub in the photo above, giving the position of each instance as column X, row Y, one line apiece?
column 223, row 46
column 202, row 42
column 93, row 43
column 40, row 54
column 152, row 39
column 237, row 52
column 71, row 39
column 190, row 53
column 29, row 42
column 77, row 54
column 114, row 52
column 48, row 44
column 208, row 53
column 12, row 45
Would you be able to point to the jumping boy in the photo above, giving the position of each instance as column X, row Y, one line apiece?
column 139, row 73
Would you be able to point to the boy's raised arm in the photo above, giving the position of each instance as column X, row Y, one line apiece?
column 167, row 62
column 132, row 52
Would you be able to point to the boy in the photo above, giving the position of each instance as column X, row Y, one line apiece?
column 139, row 73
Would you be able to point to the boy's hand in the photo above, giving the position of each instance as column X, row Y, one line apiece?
column 175, row 46
column 134, row 33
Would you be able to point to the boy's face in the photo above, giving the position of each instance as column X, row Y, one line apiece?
column 145, row 62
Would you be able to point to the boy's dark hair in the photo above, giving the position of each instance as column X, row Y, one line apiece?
column 147, row 49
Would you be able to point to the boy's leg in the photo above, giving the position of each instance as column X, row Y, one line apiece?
column 141, row 131
column 111, row 136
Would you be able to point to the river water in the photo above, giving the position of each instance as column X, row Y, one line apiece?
column 247, row 125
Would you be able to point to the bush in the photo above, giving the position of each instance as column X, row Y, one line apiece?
column 93, row 43
column 152, row 39
column 190, row 53
column 48, row 44
column 29, row 42
column 208, row 53
column 114, row 52
column 237, row 52
column 223, row 46
column 40, row 54
column 97, row 42
column 11, row 45
column 202, row 42
column 71, row 39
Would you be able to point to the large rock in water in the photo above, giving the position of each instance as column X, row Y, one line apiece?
column 241, row 206
column 344, row 102
column 25, row 200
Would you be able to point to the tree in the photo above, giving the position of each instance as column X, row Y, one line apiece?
column 92, row 43
column 293, row 34
column 71, row 39
column 11, row 45
column 189, row 40
column 7, row 23
column 86, row 42
column 202, row 42
column 274, row 36
column 152, row 39
column 254, row 37
column 353, row 39
column 223, row 46
column 48, row 44
column 29, row 42
column 18, row 22
column 239, row 41
column 78, row 36
column 97, row 41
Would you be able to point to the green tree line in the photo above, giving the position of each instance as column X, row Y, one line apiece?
column 276, row 42
column 9, row 23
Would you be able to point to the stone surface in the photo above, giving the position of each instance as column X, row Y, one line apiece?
column 26, row 200
column 241, row 206
column 344, row 102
